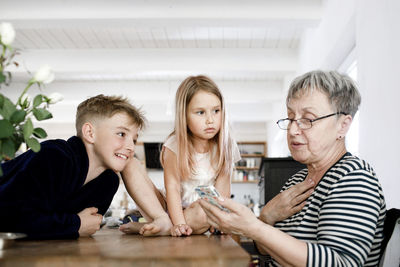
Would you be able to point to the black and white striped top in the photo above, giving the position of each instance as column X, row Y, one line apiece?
column 342, row 221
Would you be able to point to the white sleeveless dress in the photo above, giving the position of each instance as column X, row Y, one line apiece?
column 204, row 173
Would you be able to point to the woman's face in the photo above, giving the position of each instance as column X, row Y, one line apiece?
column 318, row 143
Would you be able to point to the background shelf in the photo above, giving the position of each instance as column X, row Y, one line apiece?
column 247, row 168
column 252, row 153
column 246, row 182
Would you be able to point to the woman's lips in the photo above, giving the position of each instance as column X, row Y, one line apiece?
column 296, row 144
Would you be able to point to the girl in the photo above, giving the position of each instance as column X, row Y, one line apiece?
column 200, row 151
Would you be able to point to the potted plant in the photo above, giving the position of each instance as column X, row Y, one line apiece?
column 16, row 118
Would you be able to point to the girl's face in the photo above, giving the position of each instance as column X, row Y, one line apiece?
column 204, row 115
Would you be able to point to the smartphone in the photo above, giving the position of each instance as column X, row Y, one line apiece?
column 210, row 194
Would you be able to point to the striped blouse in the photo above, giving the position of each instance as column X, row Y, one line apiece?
column 342, row 221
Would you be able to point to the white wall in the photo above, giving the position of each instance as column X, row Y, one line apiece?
column 373, row 28
column 276, row 139
column 378, row 44
column 327, row 46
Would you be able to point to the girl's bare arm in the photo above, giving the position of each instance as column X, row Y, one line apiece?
column 173, row 187
column 223, row 185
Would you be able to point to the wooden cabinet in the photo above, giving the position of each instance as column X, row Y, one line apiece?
column 246, row 170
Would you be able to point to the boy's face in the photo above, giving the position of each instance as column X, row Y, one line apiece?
column 114, row 142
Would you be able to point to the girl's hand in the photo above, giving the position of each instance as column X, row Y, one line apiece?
column 237, row 221
column 181, row 229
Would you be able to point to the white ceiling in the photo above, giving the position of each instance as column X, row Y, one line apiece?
column 253, row 43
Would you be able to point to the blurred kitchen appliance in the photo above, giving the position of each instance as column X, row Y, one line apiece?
column 152, row 155
column 274, row 172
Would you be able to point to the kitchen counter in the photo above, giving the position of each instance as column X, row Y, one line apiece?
column 110, row 247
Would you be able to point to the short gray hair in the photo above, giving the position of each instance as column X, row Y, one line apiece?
column 340, row 89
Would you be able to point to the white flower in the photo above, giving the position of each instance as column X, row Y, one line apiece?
column 23, row 148
column 7, row 33
column 55, row 97
column 44, row 75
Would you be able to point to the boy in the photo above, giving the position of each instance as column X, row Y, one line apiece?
column 63, row 190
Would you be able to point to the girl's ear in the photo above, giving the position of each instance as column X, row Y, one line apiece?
column 88, row 132
column 345, row 124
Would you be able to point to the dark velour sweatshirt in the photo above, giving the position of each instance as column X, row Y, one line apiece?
column 42, row 193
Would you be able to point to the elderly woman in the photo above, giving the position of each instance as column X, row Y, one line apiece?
column 332, row 212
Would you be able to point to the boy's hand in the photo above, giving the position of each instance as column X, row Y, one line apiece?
column 90, row 221
column 181, row 229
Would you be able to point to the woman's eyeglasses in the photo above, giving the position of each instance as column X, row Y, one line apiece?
column 303, row 123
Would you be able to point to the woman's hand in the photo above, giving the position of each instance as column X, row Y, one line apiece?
column 238, row 220
column 287, row 203
column 181, row 229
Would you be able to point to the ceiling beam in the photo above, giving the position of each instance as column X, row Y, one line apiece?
column 190, row 13
column 86, row 64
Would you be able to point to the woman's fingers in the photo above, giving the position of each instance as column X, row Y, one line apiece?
column 302, row 197
column 213, row 224
column 209, row 209
column 298, row 193
column 214, row 215
column 228, row 203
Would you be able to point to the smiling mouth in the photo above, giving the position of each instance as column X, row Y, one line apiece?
column 122, row 156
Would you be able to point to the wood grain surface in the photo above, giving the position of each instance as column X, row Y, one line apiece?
column 110, row 247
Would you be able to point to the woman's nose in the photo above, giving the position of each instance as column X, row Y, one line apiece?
column 294, row 128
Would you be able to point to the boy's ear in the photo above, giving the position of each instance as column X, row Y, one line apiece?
column 88, row 132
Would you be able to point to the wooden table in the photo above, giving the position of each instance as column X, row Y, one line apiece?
column 110, row 247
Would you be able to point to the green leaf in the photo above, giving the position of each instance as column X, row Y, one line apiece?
column 33, row 144
column 39, row 133
column 8, row 109
column 8, row 148
column 28, row 129
column 37, row 100
column 1, row 101
column 18, row 116
column 2, row 77
column 6, row 129
column 42, row 114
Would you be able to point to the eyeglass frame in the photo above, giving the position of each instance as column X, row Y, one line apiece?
column 310, row 120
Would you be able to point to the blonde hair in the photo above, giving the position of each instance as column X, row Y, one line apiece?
column 101, row 106
column 224, row 152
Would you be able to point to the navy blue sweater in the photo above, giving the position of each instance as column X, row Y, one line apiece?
column 42, row 193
